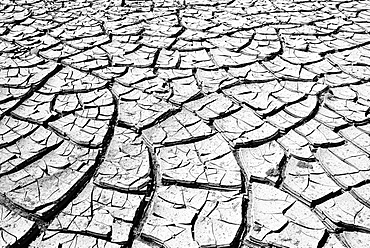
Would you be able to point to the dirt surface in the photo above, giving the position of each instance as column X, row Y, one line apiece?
column 184, row 124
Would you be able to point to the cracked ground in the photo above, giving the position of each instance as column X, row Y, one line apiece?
column 190, row 123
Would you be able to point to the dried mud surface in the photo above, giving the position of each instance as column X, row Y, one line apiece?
column 190, row 123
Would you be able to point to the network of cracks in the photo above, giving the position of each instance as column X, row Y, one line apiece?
column 191, row 123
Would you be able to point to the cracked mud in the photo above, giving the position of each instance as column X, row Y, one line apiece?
column 184, row 123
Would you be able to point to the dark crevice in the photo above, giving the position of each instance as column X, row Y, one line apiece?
column 196, row 185
column 32, row 159
column 208, row 19
column 33, row 88
column 142, row 212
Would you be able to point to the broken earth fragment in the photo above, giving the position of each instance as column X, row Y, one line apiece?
column 278, row 218
column 206, row 163
column 263, row 163
column 193, row 217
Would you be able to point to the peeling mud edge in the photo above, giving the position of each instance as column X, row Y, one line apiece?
column 107, row 237
column 145, row 205
column 313, row 203
column 279, row 171
column 255, row 143
column 139, row 129
column 338, row 227
column 257, row 244
column 196, row 185
column 152, row 241
column 343, row 240
column 254, row 243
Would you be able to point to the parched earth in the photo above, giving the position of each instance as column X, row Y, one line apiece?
column 190, row 123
